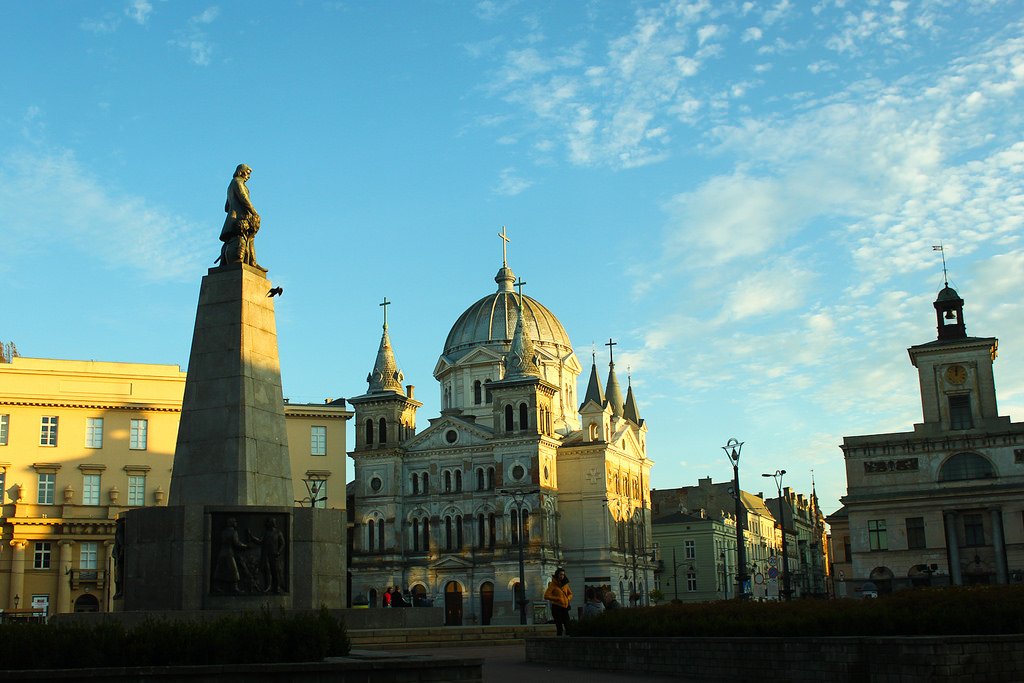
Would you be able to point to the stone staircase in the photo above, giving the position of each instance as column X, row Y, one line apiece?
column 445, row 636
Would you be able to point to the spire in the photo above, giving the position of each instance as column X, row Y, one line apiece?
column 629, row 409
column 521, row 361
column 385, row 375
column 594, row 392
column 613, row 392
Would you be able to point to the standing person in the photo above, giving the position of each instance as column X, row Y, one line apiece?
column 386, row 600
column 559, row 594
column 610, row 602
column 397, row 600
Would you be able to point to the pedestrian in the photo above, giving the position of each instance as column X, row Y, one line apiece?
column 559, row 594
column 610, row 602
column 591, row 605
column 386, row 600
column 397, row 600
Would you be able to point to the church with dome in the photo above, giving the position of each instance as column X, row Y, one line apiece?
column 516, row 477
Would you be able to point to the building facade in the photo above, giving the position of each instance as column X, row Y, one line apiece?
column 695, row 532
column 82, row 441
column 943, row 504
column 514, row 467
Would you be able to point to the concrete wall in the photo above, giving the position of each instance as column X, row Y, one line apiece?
column 952, row 659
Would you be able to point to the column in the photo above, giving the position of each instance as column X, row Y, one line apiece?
column 18, row 576
column 64, row 577
column 106, row 563
column 999, row 545
column 953, row 545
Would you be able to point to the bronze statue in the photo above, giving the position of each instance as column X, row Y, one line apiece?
column 242, row 222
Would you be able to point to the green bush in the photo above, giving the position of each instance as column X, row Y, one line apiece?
column 246, row 638
column 958, row 610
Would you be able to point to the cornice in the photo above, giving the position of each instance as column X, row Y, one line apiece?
column 92, row 406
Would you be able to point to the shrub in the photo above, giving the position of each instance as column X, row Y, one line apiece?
column 247, row 638
column 958, row 610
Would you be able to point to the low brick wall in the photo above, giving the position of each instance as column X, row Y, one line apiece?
column 418, row 617
column 949, row 659
column 342, row 670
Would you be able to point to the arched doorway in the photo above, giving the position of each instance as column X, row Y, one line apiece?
column 87, row 603
column 453, row 604
column 372, row 598
column 882, row 577
column 486, row 603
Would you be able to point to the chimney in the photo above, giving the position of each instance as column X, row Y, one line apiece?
column 409, row 389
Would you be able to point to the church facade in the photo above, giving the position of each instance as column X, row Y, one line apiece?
column 516, row 476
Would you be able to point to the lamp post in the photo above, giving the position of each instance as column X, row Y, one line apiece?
column 732, row 449
column 519, row 497
column 777, row 476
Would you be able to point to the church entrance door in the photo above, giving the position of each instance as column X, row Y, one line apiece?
column 486, row 603
column 453, row 604
column 87, row 603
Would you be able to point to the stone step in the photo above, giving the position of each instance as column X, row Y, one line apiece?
column 450, row 636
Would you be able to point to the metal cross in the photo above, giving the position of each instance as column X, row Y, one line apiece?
column 385, row 304
column 611, row 351
column 504, row 243
column 519, row 284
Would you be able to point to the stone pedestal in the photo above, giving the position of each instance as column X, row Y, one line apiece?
column 230, row 537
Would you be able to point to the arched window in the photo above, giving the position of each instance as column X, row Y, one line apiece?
column 477, row 393
column 426, row 533
column 481, row 530
column 525, row 516
column 370, row 535
column 383, row 431
column 448, row 533
column 524, row 417
column 415, row 484
column 593, row 432
column 447, row 481
column 492, row 529
column 369, row 431
column 487, row 391
column 380, row 534
column 458, row 480
column 966, row 466
column 509, row 413
column 480, row 479
column 458, row 532
column 513, row 523
column 415, row 535
column 490, row 478
column 426, row 483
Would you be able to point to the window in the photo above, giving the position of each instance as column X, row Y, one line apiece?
column 877, row 539
column 492, row 530
column 382, row 431
column 426, row 483
column 94, row 432
column 509, row 412
column 5, row 421
column 448, row 533
column 370, row 528
column 318, row 440
column 47, row 486
column 480, row 485
column 477, row 392
column 369, row 432
column 691, row 582
column 524, row 417
column 690, row 548
column 415, row 484
column 415, row 535
column 89, row 555
column 490, row 478
column 915, row 533
column 3, row 484
column 41, row 558
column 48, row 431
column 136, row 489
column 974, row 530
column 447, row 481
column 966, row 466
column 137, row 440
column 847, row 552
column 960, row 412
column 91, row 489
column 426, row 533
column 458, row 480
column 487, row 391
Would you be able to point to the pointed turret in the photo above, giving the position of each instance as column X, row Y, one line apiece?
column 594, row 391
column 613, row 392
column 629, row 409
column 521, row 361
column 385, row 375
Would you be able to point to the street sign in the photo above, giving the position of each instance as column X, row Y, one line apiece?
column 773, row 572
column 759, row 578
column 773, row 561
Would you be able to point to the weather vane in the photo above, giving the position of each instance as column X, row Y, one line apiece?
column 942, row 251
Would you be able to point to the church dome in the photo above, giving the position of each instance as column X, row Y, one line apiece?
column 491, row 321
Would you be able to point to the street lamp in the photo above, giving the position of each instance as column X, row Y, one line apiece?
column 519, row 497
column 732, row 449
column 782, row 522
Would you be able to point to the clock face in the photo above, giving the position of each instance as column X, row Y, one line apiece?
column 956, row 374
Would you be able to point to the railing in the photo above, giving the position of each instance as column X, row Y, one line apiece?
column 90, row 577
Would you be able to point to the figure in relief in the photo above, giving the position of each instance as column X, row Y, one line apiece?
column 272, row 547
column 230, row 567
column 242, row 222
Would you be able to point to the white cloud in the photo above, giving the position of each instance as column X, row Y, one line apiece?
column 105, row 227
column 511, row 183
column 139, row 10
column 208, row 16
column 752, row 33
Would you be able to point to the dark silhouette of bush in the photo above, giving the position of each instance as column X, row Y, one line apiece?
column 251, row 637
column 957, row 610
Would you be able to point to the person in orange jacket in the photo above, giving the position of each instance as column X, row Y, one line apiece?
column 559, row 594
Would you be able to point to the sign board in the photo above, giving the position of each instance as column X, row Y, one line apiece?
column 41, row 603
column 759, row 578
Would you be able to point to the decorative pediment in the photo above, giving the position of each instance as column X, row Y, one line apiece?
column 437, row 435
column 451, row 562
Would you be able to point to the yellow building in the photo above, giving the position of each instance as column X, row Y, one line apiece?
column 82, row 441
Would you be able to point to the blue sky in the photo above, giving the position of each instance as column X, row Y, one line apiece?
column 743, row 195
